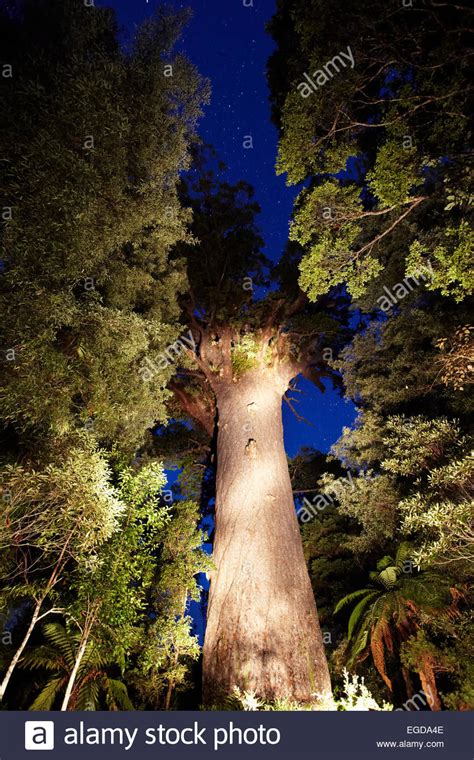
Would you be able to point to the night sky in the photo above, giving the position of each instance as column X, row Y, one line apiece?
column 227, row 42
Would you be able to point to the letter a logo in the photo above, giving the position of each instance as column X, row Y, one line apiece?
column 39, row 734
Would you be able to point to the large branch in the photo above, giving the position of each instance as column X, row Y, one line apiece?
column 297, row 305
column 194, row 406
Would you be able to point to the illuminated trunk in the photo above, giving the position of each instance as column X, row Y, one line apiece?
column 263, row 633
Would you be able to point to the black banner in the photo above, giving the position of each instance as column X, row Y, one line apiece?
column 317, row 735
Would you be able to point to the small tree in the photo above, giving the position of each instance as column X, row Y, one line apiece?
column 53, row 518
column 117, row 593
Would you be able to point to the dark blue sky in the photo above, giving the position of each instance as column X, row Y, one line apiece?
column 227, row 42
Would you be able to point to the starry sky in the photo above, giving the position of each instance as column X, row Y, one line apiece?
column 226, row 40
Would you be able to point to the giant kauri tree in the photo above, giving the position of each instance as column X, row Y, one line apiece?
column 262, row 633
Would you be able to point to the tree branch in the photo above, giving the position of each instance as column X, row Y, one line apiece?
column 194, row 407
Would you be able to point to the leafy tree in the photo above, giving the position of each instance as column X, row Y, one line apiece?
column 124, row 595
column 246, row 351
column 417, row 479
column 446, row 650
column 413, row 478
column 117, row 591
column 94, row 142
column 110, row 587
column 384, row 148
column 166, row 649
column 52, row 520
column 438, row 509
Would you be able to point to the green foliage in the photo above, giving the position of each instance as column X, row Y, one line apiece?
column 452, row 260
column 384, row 614
column 414, row 481
column 131, row 565
column 245, row 354
column 95, row 689
column 451, row 655
column 438, row 507
column 166, row 647
column 395, row 365
column 226, row 245
column 114, row 581
column 378, row 130
column 394, row 174
column 71, row 500
column 95, row 143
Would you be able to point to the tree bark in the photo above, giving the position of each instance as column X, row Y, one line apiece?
column 263, row 632
column 19, row 651
column 72, row 678
column 34, row 620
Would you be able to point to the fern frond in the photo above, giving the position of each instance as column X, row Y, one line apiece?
column 350, row 598
column 357, row 612
column 388, row 578
column 41, row 657
column 359, row 646
column 116, row 695
column 377, row 649
column 92, row 659
column 88, row 696
column 385, row 607
column 63, row 640
column 383, row 563
column 234, row 701
column 48, row 694
column 404, row 554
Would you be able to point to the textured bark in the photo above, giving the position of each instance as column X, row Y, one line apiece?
column 262, row 631
column 19, row 651
column 74, row 672
column 84, row 640
column 428, row 682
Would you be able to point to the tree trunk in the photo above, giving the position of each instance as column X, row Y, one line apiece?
column 72, row 678
column 34, row 620
column 263, row 633
column 19, row 651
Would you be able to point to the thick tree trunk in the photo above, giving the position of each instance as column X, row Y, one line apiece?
column 263, row 633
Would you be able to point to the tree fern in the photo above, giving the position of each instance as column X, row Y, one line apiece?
column 384, row 616
column 65, row 642
column 87, row 696
column 116, row 695
column 42, row 657
column 93, row 685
